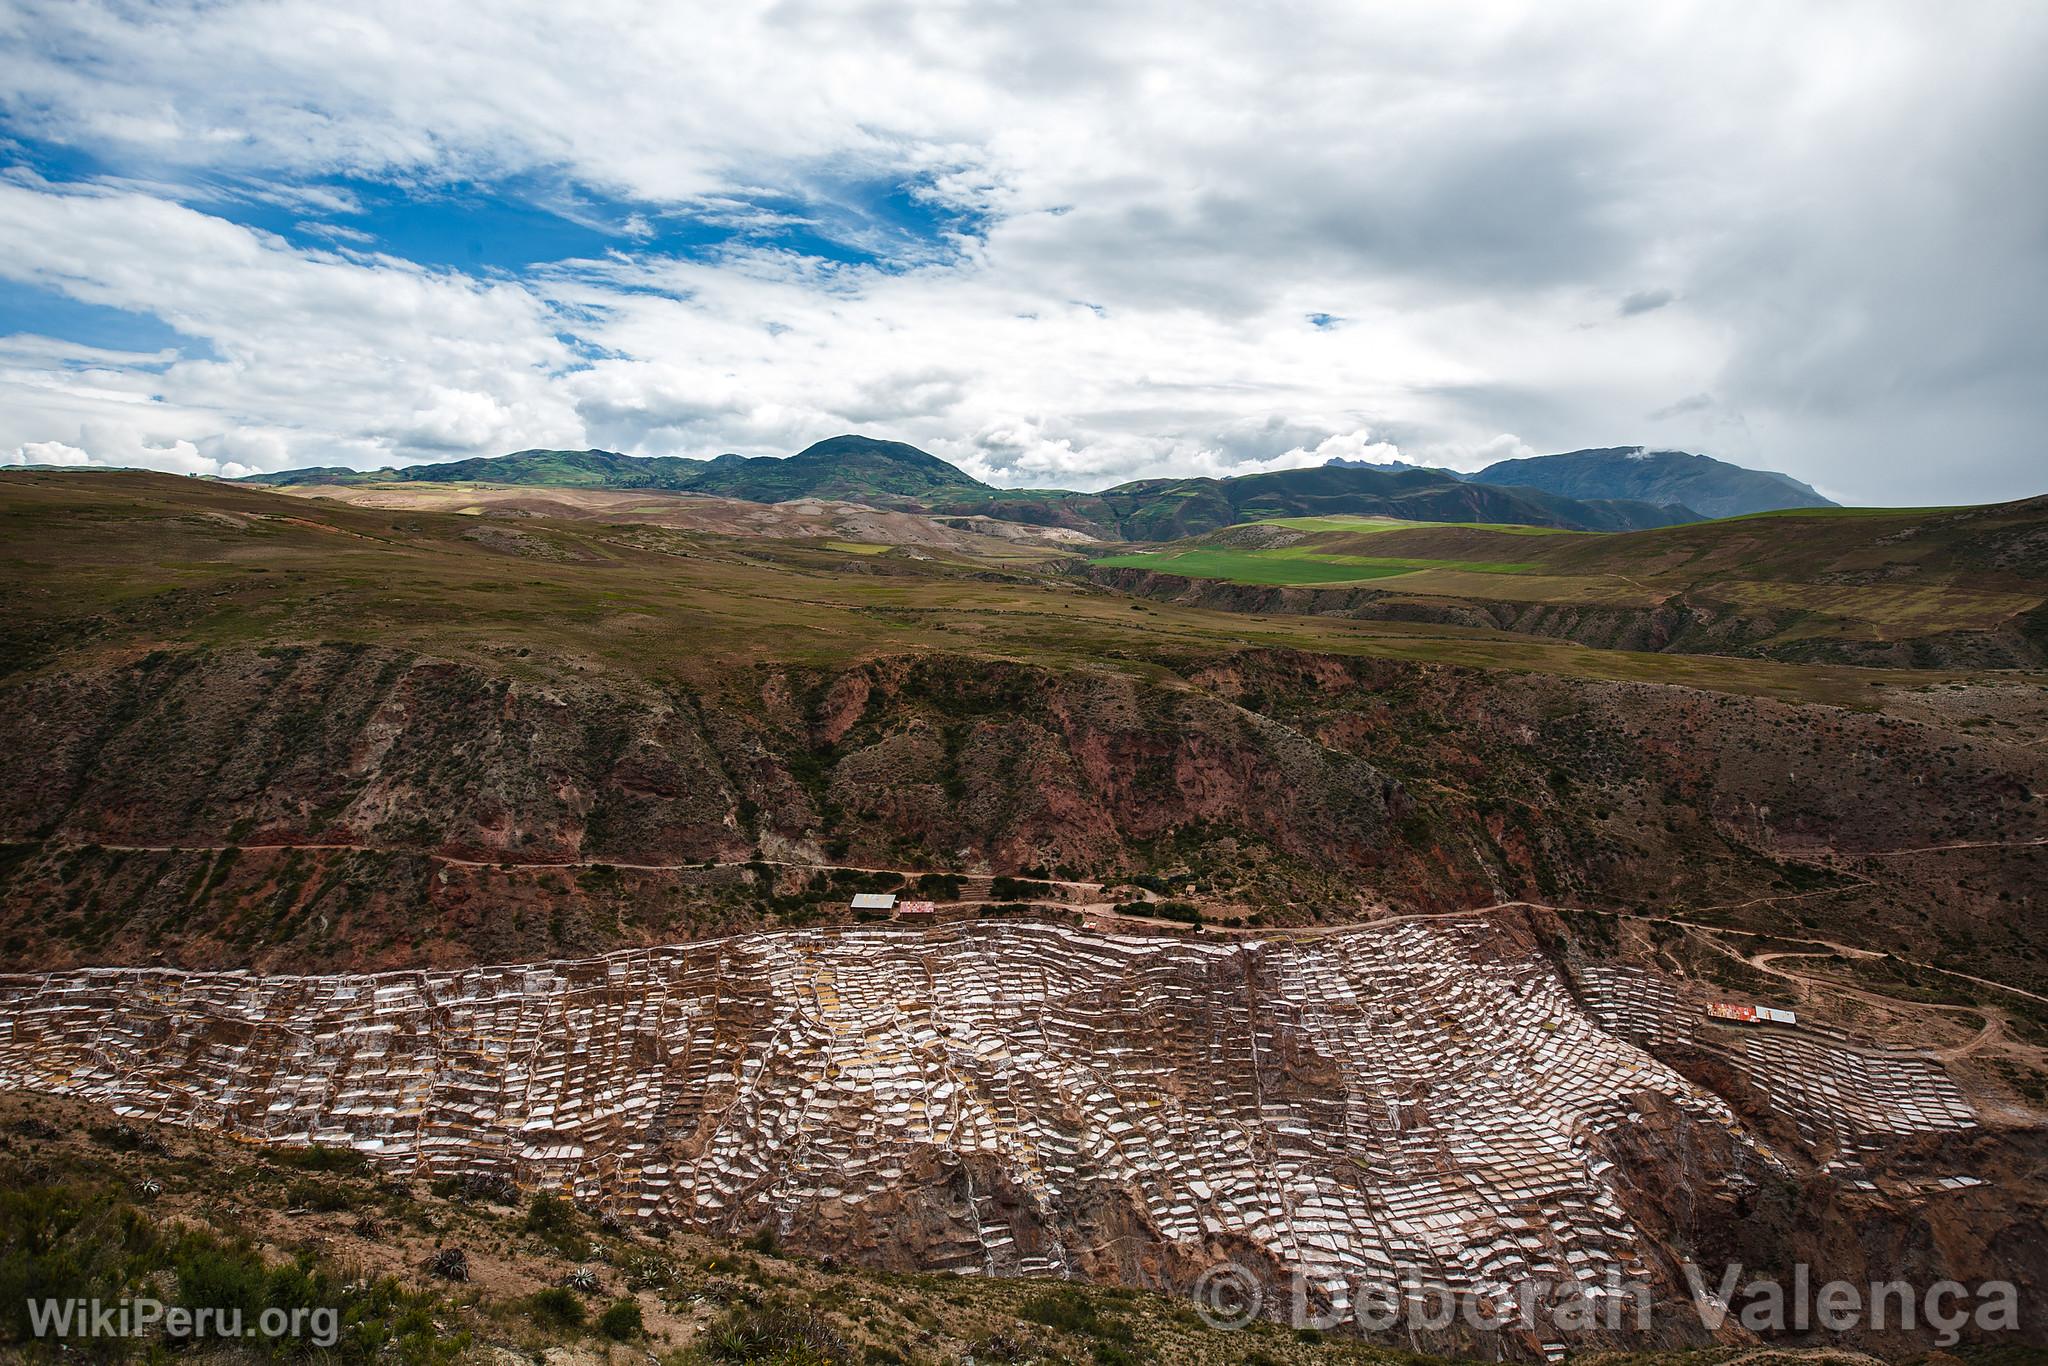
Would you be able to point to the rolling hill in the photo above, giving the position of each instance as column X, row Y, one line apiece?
column 1705, row 486
column 857, row 468
column 1712, row 488
column 894, row 475
column 1168, row 509
column 1925, row 587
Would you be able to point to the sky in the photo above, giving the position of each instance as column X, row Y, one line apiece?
column 1059, row 245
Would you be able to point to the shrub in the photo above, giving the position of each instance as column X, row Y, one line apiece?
column 450, row 1264
column 322, row 1197
column 217, row 1274
column 471, row 1186
column 555, row 1308
column 621, row 1321
column 1067, row 1310
column 320, row 1158
column 123, row 1138
column 62, row 1241
column 553, row 1220
column 776, row 1331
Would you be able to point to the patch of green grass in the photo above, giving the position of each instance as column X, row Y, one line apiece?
column 319, row 1158
column 1838, row 512
column 1072, row 1311
column 1295, row 565
column 1336, row 523
column 1251, row 566
column 71, row 1241
column 1396, row 524
column 1405, row 562
column 86, row 557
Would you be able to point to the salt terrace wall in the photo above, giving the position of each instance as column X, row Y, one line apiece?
column 1840, row 1097
column 1002, row 1098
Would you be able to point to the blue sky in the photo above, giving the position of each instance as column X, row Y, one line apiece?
column 1056, row 247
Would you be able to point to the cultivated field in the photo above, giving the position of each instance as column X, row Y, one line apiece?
column 1827, row 578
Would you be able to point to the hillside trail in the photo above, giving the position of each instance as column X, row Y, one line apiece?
column 1945, row 848
column 1994, row 1034
column 1847, row 951
column 344, row 846
column 544, row 864
column 1106, row 911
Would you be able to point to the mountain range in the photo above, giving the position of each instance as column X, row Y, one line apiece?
column 856, row 468
column 1710, row 487
column 1622, row 489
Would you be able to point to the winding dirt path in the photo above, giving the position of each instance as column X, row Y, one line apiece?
column 1104, row 911
column 1994, row 1021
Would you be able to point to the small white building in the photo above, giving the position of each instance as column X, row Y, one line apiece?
column 874, row 901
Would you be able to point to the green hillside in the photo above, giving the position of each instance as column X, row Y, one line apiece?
column 895, row 475
column 541, row 468
column 106, row 562
column 1168, row 509
column 1172, row 509
column 1713, row 488
column 854, row 468
column 1873, row 585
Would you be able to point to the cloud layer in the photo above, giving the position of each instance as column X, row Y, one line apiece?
column 1057, row 245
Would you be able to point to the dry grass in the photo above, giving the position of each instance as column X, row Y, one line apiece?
column 126, row 563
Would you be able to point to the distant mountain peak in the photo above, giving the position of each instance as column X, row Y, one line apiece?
column 1710, row 487
column 1611, row 489
column 854, row 444
column 850, row 466
column 1383, row 466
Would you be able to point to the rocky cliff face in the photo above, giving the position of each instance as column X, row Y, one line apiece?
column 352, row 806
column 993, row 764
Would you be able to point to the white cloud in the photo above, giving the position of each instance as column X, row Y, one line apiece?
column 1544, row 226
column 113, row 446
column 49, row 453
column 337, row 358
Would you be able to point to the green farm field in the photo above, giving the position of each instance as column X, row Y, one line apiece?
column 1850, row 577
column 1372, row 524
column 1291, row 565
